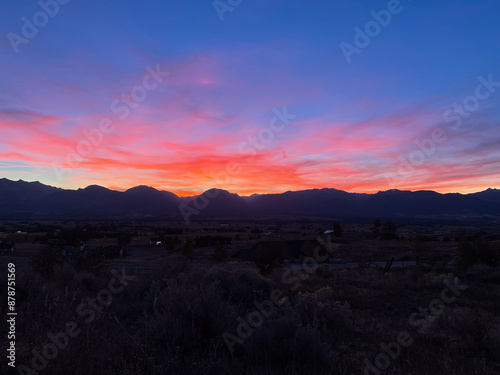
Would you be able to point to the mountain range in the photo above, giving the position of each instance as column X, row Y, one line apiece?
column 21, row 199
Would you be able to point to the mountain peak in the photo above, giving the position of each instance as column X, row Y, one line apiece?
column 94, row 188
column 140, row 189
column 34, row 198
column 219, row 191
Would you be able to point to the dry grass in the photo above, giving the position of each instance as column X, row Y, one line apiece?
column 173, row 322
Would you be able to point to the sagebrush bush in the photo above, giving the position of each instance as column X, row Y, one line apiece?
column 173, row 321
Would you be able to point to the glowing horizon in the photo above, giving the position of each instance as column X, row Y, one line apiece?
column 244, row 193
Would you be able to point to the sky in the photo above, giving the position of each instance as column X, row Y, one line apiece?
column 251, row 96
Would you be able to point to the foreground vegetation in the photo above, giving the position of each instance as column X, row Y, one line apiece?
column 181, row 320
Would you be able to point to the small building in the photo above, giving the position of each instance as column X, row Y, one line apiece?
column 156, row 241
column 69, row 251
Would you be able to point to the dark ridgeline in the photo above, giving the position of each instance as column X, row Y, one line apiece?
column 33, row 199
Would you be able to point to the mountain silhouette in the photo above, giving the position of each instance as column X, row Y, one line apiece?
column 21, row 199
